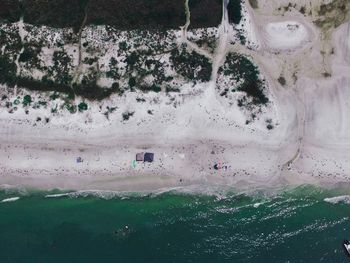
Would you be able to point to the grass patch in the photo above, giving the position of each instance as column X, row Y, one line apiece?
column 333, row 14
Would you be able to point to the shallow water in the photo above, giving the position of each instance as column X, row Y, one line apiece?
column 295, row 225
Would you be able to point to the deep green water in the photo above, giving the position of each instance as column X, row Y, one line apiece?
column 286, row 226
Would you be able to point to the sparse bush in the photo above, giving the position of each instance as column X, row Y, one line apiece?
column 153, row 87
column 26, row 55
column 242, row 70
column 27, row 100
column 71, row 107
column 192, row 66
column 132, row 82
column 113, row 69
column 82, row 106
column 127, row 115
column 282, row 80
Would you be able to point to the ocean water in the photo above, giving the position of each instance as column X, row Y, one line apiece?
column 304, row 224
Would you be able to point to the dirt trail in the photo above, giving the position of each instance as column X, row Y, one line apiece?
column 223, row 42
column 78, row 69
column 188, row 20
column 22, row 34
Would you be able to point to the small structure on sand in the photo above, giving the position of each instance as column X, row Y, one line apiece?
column 145, row 157
column 149, row 157
column 220, row 166
column 79, row 160
column 140, row 157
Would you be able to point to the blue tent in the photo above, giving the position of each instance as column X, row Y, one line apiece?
column 149, row 157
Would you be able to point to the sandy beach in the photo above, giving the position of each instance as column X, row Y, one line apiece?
column 309, row 141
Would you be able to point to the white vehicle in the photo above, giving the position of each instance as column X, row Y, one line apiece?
column 346, row 245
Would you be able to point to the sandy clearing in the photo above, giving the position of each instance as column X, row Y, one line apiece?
column 285, row 35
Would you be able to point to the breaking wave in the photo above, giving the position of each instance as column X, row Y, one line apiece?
column 12, row 199
column 338, row 199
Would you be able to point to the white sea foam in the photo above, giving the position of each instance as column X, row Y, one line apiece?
column 220, row 192
column 97, row 193
column 338, row 199
column 256, row 205
column 57, row 195
column 12, row 199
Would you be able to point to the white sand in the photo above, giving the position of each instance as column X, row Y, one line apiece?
column 309, row 143
column 285, row 35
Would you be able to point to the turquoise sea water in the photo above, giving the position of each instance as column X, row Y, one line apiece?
column 294, row 225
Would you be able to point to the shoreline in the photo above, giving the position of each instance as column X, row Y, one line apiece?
column 83, row 188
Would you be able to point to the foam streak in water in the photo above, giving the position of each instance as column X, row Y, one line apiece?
column 338, row 199
column 12, row 199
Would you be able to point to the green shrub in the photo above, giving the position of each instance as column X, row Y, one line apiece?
column 132, row 82
column 172, row 89
column 82, row 106
column 127, row 115
column 26, row 55
column 27, row 100
column 71, row 107
column 116, row 88
column 132, row 60
column 282, row 80
column 123, row 46
column 113, row 69
column 7, row 71
column 153, row 87
column 54, row 96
